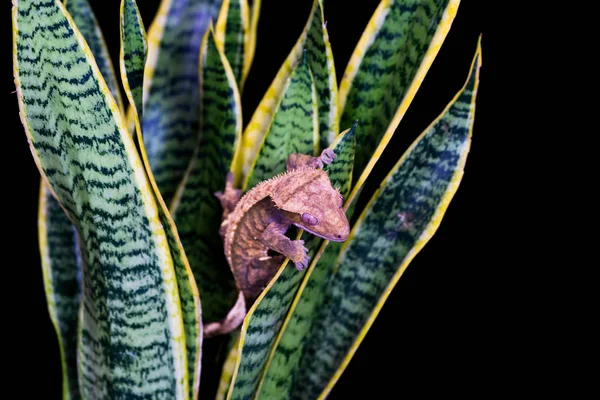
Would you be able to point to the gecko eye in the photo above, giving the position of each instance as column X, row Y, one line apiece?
column 341, row 200
column 309, row 220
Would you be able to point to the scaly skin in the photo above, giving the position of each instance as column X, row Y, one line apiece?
column 254, row 225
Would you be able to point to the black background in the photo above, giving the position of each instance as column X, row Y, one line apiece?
column 431, row 338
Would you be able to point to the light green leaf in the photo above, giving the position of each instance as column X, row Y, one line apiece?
column 398, row 221
column 283, row 359
column 228, row 366
column 132, row 60
column 320, row 59
column 171, row 88
column 195, row 209
column 232, row 34
column 387, row 67
column 313, row 44
column 250, row 50
column 84, row 18
column 294, row 128
column 62, row 281
column 265, row 318
column 132, row 57
column 291, row 343
column 131, row 325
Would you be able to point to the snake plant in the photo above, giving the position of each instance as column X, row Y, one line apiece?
column 128, row 222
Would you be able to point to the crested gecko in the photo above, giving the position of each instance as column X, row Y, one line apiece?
column 254, row 226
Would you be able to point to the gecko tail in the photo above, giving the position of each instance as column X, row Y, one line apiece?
column 234, row 318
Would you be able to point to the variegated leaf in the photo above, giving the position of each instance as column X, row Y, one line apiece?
column 132, row 60
column 84, row 18
column 387, row 67
column 228, row 366
column 61, row 267
column 294, row 128
column 131, row 341
column 171, row 88
column 314, row 45
column 195, row 209
column 266, row 317
column 232, row 34
column 398, row 221
column 134, row 49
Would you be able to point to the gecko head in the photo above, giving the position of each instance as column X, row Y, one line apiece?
column 312, row 204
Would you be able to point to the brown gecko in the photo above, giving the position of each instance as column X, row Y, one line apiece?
column 254, row 226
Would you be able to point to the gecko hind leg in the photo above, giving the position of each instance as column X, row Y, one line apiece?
column 229, row 197
column 297, row 160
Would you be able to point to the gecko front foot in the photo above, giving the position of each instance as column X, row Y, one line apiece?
column 327, row 156
column 298, row 254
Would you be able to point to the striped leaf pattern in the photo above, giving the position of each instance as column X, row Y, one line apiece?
column 259, row 330
column 131, row 341
column 398, row 221
column 263, row 115
column 62, row 281
column 294, row 128
column 266, row 317
column 282, row 365
column 233, row 34
column 84, row 18
column 320, row 59
column 132, row 57
column 384, row 66
column 228, row 366
column 250, row 50
column 171, row 88
column 134, row 49
column 195, row 209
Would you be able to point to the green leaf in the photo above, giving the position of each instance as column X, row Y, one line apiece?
column 249, row 52
column 228, row 366
column 294, row 128
column 233, row 36
column 266, row 316
column 195, row 209
column 134, row 49
column 398, row 221
column 84, row 18
column 132, row 61
column 283, row 358
column 312, row 44
column 171, row 88
column 387, row 67
column 131, row 339
column 320, row 58
column 291, row 343
column 61, row 269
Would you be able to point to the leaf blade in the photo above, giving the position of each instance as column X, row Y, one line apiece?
column 171, row 99
column 132, row 55
column 314, row 34
column 294, row 128
column 61, row 268
column 399, row 220
column 132, row 61
column 94, row 171
column 388, row 66
column 265, row 318
column 84, row 17
column 195, row 209
column 232, row 33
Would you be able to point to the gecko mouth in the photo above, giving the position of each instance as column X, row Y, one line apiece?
column 333, row 238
